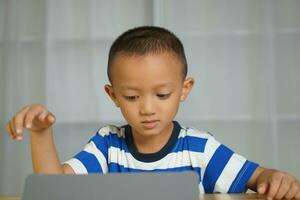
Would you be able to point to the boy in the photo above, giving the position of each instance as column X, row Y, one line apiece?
column 147, row 72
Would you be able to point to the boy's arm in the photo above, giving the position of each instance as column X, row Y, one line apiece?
column 38, row 120
column 44, row 156
column 274, row 184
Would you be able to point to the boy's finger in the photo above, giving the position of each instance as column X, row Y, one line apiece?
column 9, row 131
column 29, row 117
column 273, row 187
column 297, row 195
column 18, row 135
column 19, row 119
column 11, row 127
column 283, row 188
column 13, row 130
column 24, row 110
column 293, row 191
column 262, row 188
column 46, row 119
column 51, row 118
column 19, row 123
column 43, row 115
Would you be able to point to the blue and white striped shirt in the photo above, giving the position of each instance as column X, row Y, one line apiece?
column 112, row 150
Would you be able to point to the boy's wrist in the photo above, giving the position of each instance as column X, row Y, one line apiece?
column 42, row 132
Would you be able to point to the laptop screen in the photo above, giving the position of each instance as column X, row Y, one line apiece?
column 131, row 186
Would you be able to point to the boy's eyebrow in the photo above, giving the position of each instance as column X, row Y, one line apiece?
column 124, row 87
column 128, row 87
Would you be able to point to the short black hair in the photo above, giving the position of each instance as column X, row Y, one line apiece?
column 145, row 40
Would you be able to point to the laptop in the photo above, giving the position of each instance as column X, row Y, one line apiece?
column 114, row 186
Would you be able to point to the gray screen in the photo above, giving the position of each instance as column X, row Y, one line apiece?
column 123, row 186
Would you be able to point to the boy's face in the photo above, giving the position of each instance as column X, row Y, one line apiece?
column 148, row 90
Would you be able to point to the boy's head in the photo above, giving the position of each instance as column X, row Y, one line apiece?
column 147, row 69
column 146, row 40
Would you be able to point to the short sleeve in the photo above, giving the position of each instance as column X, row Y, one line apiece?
column 225, row 171
column 93, row 158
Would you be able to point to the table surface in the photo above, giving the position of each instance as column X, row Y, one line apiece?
column 252, row 196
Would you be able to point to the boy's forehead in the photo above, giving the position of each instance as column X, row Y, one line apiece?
column 124, row 62
column 157, row 70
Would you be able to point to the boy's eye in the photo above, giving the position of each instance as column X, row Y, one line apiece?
column 131, row 98
column 163, row 96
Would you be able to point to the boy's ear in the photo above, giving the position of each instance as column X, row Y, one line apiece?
column 187, row 87
column 110, row 91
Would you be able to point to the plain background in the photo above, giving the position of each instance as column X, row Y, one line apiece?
column 243, row 54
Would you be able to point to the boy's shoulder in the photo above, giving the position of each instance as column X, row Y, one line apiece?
column 108, row 130
column 194, row 132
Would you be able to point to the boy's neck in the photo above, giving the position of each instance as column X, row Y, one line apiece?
column 152, row 144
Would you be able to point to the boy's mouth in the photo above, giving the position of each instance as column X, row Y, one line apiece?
column 149, row 124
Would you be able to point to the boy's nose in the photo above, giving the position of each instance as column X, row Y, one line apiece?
column 147, row 107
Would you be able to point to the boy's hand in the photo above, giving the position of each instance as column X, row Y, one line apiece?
column 36, row 118
column 278, row 185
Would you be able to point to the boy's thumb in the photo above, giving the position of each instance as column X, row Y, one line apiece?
column 262, row 187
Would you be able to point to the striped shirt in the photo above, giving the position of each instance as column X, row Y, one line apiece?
column 112, row 150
